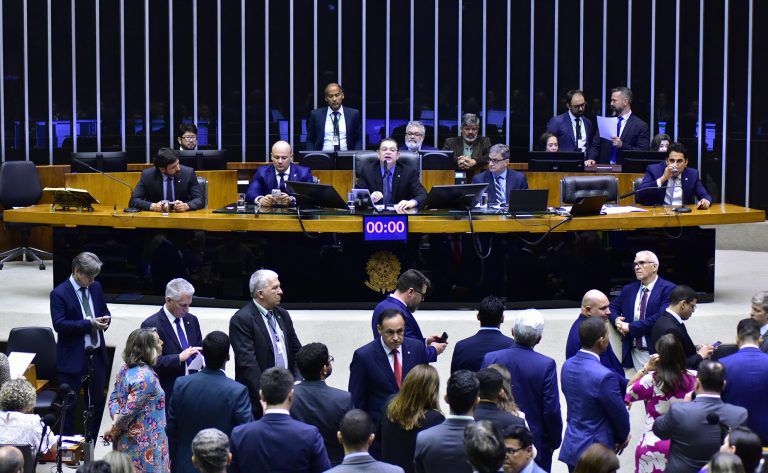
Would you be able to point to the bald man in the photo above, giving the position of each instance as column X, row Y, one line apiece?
column 11, row 460
column 269, row 186
column 595, row 304
column 334, row 127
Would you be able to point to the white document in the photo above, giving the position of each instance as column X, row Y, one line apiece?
column 19, row 361
column 197, row 363
column 622, row 209
column 607, row 126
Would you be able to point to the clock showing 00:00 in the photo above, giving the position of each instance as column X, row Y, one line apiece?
column 385, row 227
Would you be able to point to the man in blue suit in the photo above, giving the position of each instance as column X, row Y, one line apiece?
column 334, row 127
column 535, row 384
column 632, row 133
column 277, row 175
column 277, row 442
column 80, row 316
column 411, row 287
column 203, row 400
column 180, row 332
column 672, row 182
column 501, row 181
column 636, row 309
column 574, row 131
column 468, row 353
column 746, row 372
column 379, row 367
column 596, row 410
column 595, row 304
column 356, row 434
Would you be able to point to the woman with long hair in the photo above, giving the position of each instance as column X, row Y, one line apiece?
column 507, row 400
column 745, row 444
column 663, row 379
column 415, row 408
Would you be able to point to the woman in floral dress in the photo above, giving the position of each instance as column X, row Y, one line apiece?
column 663, row 380
column 137, row 405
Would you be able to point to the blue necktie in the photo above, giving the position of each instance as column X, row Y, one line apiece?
column 387, row 187
column 279, row 360
column 183, row 339
column 615, row 150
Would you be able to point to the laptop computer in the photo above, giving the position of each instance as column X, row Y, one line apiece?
column 309, row 194
column 528, row 201
column 589, row 205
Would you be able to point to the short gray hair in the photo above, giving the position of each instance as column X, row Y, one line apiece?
column 484, row 446
column 17, row 395
column 416, row 124
column 211, row 450
column 470, row 119
column 500, row 149
column 87, row 263
column 529, row 326
column 761, row 299
column 259, row 280
column 650, row 256
column 178, row 287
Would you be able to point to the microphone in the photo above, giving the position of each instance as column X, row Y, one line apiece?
column 714, row 419
column 128, row 209
column 65, row 389
column 682, row 209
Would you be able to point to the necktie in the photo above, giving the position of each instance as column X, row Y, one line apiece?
column 89, row 315
column 279, row 359
column 397, row 368
column 641, row 316
column 578, row 130
column 387, row 187
column 669, row 197
column 335, row 120
column 500, row 197
column 183, row 339
column 281, row 184
column 169, row 189
column 615, row 150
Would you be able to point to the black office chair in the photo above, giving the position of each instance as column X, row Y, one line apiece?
column 412, row 159
column 636, row 185
column 40, row 341
column 20, row 187
column 724, row 350
column 573, row 188
column 362, row 159
column 318, row 161
column 204, row 189
column 26, row 453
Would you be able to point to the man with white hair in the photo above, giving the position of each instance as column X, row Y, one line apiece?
column 180, row 332
column 415, row 131
column 262, row 335
column 759, row 313
column 636, row 309
column 535, row 383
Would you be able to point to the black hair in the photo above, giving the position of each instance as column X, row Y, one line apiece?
column 165, row 157
column 491, row 311
column 519, row 433
column 711, row 375
column 412, row 278
column 184, row 128
column 682, row 293
column 276, row 384
column 356, row 428
column 748, row 329
column 491, row 383
column 591, row 330
column 678, row 148
column 388, row 314
column 311, row 359
column 216, row 349
column 462, row 390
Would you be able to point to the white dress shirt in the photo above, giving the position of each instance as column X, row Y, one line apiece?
column 390, row 356
column 582, row 143
column 86, row 337
column 328, row 135
column 172, row 321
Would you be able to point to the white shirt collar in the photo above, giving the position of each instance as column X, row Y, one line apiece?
column 287, row 171
column 748, row 345
column 650, row 285
column 456, row 416
column 491, row 328
column 764, row 329
column 171, row 318
column 591, row 353
column 625, row 117
column 574, row 117
column 677, row 317
column 340, row 110
column 356, row 454
column 713, row 396
column 74, row 283
column 276, row 410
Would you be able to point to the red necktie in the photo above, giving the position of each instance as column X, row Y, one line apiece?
column 398, row 368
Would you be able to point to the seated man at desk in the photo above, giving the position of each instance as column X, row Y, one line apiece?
column 672, row 182
column 276, row 176
column 391, row 182
column 167, row 181
column 501, row 181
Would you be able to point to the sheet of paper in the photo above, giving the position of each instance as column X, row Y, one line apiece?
column 19, row 361
column 607, row 126
column 622, row 209
column 197, row 363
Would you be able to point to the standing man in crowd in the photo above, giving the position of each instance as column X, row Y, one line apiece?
column 262, row 335
column 672, row 182
column 356, row 435
column 759, row 313
column 470, row 150
column 574, row 131
column 186, row 136
column 168, row 181
column 334, row 127
column 80, row 316
column 277, row 176
column 631, row 132
column 391, row 182
column 501, row 180
column 468, row 353
column 682, row 304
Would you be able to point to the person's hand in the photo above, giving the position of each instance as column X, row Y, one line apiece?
column 100, row 323
column 440, row 347
column 703, row 204
column 620, row 447
column 462, row 162
column 376, row 196
column 179, row 206
column 670, row 171
column 433, row 339
column 471, row 163
column 622, row 326
column 589, row 163
column 652, row 362
column 284, row 199
column 188, row 352
column 616, row 142
column 705, row 351
column 404, row 205
column 111, row 434
column 156, row 206
column 267, row 201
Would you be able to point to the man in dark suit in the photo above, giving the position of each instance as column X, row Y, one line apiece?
column 632, row 132
column 356, row 434
column 277, row 175
column 484, row 446
column 80, row 316
column 277, row 442
column 694, row 428
column 378, row 368
column 636, row 309
column 441, row 448
column 410, row 290
column 501, row 181
column 519, row 443
column 210, row 451
column 203, row 400
column 595, row 304
column 596, row 411
column 391, row 182
column 334, row 127
column 469, row 149
column 682, row 303
column 316, row 403
column 415, row 131
column 759, row 313
column 672, row 182
column 491, row 392
column 535, row 384
column 746, row 372
column 574, row 131
column 170, row 181
column 262, row 335
column 468, row 353
column 180, row 332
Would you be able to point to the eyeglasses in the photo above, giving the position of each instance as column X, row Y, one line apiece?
column 693, row 306
column 422, row 294
column 189, row 138
column 641, row 263
column 497, row 161
column 330, row 359
column 512, row 450
column 413, row 134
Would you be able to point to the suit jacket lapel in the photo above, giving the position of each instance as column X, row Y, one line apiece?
column 259, row 322
column 509, row 178
column 382, row 359
column 167, row 328
column 395, row 181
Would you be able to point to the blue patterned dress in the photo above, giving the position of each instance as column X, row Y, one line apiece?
column 138, row 402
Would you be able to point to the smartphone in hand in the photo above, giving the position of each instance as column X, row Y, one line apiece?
column 443, row 338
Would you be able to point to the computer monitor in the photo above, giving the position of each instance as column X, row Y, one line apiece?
column 432, row 160
column 204, row 159
column 309, row 194
column 637, row 161
column 107, row 161
column 571, row 161
column 317, row 160
column 455, row 196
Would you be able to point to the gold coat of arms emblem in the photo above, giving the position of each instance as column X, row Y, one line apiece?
column 383, row 269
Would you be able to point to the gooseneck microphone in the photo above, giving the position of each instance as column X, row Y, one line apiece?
column 127, row 209
column 682, row 209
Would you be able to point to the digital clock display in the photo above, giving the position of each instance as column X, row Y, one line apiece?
column 385, row 227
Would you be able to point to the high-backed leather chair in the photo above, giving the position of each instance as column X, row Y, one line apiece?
column 573, row 188
column 40, row 341
column 409, row 158
column 204, row 189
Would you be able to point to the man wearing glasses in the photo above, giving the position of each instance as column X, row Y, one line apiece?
column 390, row 182
column 414, row 137
column 574, row 131
column 501, row 181
column 186, row 136
column 682, row 304
column 638, row 307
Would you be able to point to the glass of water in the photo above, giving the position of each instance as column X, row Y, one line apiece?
column 351, row 201
column 165, row 206
column 241, row 202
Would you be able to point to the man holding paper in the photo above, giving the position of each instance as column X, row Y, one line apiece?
column 623, row 131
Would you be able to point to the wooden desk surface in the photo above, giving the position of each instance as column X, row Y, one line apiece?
column 104, row 216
